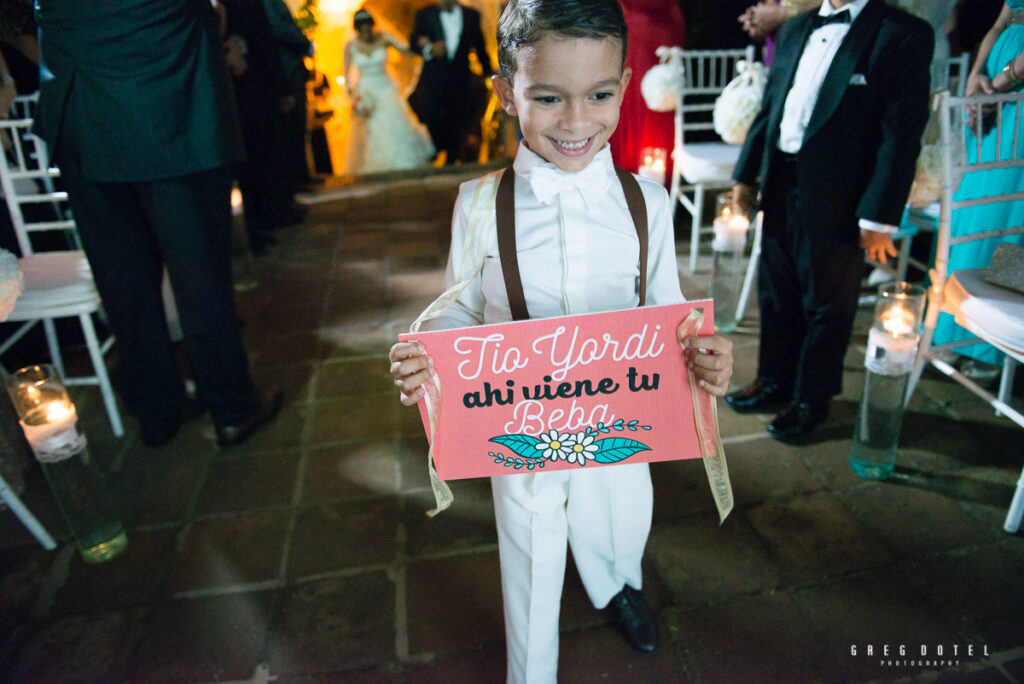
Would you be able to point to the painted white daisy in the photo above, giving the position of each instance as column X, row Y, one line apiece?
column 554, row 445
column 581, row 447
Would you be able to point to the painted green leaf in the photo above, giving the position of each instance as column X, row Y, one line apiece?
column 615, row 449
column 524, row 445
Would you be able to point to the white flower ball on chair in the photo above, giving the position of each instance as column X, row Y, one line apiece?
column 661, row 86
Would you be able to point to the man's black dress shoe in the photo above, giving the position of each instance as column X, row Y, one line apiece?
column 757, row 396
column 232, row 435
column 797, row 420
column 159, row 432
column 636, row 619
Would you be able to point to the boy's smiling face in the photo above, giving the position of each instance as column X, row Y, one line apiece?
column 566, row 93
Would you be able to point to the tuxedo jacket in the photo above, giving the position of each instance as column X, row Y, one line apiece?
column 138, row 90
column 861, row 145
column 292, row 44
column 442, row 79
column 265, row 79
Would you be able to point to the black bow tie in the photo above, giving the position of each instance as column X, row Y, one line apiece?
column 842, row 17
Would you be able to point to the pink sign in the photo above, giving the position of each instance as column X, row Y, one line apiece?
column 558, row 393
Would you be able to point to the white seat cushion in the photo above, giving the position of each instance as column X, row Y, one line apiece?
column 53, row 280
column 707, row 162
column 929, row 212
column 996, row 312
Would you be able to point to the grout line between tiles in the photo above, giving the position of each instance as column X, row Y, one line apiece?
column 400, row 572
column 750, row 437
column 401, row 595
column 230, row 589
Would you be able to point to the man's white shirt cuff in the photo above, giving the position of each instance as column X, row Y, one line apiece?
column 877, row 227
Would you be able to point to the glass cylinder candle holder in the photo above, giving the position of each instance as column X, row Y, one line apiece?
column 728, row 263
column 50, row 423
column 892, row 345
column 896, row 329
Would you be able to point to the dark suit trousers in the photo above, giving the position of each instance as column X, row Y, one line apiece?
column 130, row 231
column 265, row 177
column 808, row 285
column 446, row 131
column 449, row 113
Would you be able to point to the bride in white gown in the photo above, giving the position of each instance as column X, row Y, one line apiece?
column 384, row 135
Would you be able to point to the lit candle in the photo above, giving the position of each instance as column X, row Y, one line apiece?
column 653, row 165
column 739, row 224
column 236, row 201
column 892, row 340
column 898, row 321
column 51, row 430
column 730, row 231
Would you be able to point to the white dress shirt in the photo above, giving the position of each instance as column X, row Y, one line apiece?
column 451, row 25
column 815, row 61
column 579, row 254
column 451, row 22
column 820, row 49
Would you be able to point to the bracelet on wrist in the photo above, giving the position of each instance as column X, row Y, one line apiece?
column 790, row 8
column 7, row 79
column 1010, row 73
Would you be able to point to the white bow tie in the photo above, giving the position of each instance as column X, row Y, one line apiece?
column 546, row 182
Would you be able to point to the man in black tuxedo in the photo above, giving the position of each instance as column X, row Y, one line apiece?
column 449, row 98
column 292, row 47
column 137, row 111
column 834, row 149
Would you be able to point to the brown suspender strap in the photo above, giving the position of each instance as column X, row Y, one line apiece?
column 638, row 210
column 506, row 219
column 506, row 208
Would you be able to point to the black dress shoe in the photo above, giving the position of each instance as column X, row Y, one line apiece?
column 636, row 619
column 232, row 435
column 797, row 420
column 760, row 395
column 159, row 432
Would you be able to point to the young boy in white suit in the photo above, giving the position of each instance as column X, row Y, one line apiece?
column 562, row 74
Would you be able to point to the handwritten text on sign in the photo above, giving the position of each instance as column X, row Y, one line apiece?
column 567, row 392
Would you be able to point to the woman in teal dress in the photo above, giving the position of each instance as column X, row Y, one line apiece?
column 999, row 67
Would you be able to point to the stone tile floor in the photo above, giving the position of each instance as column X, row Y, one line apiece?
column 305, row 555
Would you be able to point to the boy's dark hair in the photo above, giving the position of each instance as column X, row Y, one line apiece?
column 527, row 21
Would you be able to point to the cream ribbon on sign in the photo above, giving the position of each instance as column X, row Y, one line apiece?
column 482, row 224
column 705, row 414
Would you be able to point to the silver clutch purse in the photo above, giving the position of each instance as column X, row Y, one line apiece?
column 1007, row 267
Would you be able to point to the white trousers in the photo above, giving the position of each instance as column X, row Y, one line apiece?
column 603, row 513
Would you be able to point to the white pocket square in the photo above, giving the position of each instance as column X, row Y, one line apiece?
column 858, row 79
